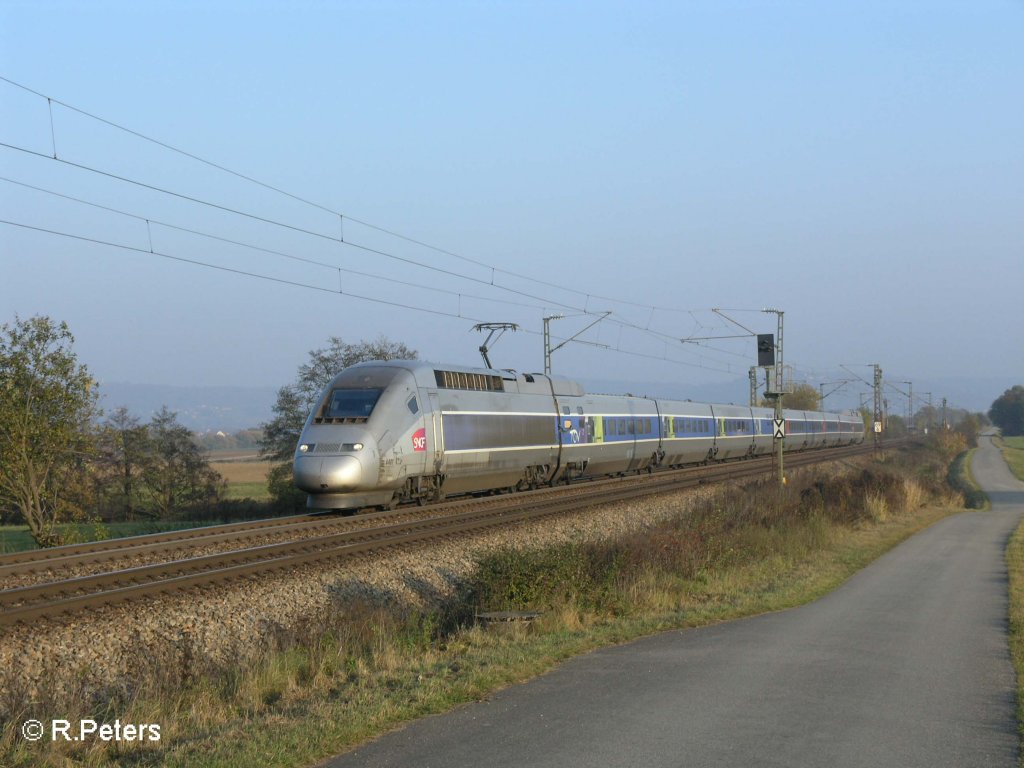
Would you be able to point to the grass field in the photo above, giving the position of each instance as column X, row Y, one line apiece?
column 1013, row 452
column 333, row 686
column 16, row 538
column 246, row 479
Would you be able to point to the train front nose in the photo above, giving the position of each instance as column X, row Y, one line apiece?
column 328, row 474
column 316, row 470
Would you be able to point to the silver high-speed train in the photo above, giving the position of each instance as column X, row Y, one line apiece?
column 391, row 431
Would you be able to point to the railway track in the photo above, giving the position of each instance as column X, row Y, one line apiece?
column 363, row 535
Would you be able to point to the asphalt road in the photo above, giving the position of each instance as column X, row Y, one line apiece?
column 906, row 664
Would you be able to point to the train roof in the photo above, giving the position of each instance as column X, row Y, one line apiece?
column 431, row 374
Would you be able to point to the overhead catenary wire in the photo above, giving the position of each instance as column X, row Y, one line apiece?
column 493, row 270
column 324, row 208
column 546, row 301
column 322, row 289
column 259, row 248
column 285, row 225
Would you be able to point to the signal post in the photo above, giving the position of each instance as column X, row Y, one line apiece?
column 769, row 356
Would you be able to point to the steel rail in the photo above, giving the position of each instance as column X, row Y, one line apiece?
column 106, row 551
column 56, row 598
column 125, row 542
column 216, row 535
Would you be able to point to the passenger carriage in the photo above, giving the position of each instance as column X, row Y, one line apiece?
column 391, row 431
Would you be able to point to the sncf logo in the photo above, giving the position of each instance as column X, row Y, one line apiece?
column 419, row 439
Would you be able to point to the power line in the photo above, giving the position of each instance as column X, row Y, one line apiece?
column 261, row 249
column 337, row 240
column 321, row 207
column 292, row 227
column 547, row 302
column 322, row 289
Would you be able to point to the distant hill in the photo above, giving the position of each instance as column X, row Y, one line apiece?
column 201, row 409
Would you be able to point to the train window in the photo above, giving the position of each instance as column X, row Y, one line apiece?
column 352, row 403
column 566, row 410
column 579, row 409
column 414, row 407
column 459, row 380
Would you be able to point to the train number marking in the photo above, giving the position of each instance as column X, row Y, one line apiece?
column 419, row 439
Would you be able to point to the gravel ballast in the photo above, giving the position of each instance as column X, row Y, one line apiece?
column 111, row 648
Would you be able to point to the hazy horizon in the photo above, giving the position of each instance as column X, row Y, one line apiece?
column 857, row 165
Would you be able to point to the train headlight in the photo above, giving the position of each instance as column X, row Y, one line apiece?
column 351, row 446
column 304, row 448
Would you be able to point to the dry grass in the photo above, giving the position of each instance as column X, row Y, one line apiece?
column 1015, row 566
column 245, row 479
column 243, row 471
column 320, row 688
column 1013, row 452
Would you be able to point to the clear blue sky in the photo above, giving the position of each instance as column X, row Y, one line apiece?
column 858, row 165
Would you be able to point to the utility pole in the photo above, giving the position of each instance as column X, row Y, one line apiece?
column 928, row 422
column 909, row 418
column 548, row 349
column 777, row 390
column 840, row 384
column 945, row 424
column 877, row 425
column 547, row 342
column 753, row 386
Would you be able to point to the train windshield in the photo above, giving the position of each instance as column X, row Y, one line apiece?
column 352, row 403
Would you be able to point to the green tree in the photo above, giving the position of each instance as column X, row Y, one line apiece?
column 123, row 453
column 804, row 397
column 47, row 405
column 296, row 400
column 1007, row 412
column 176, row 473
column 970, row 427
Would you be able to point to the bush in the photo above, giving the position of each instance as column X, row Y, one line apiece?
column 959, row 478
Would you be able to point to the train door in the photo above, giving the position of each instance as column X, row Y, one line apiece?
column 436, row 444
